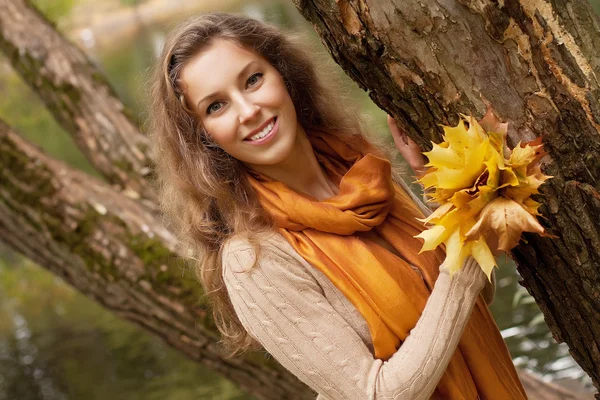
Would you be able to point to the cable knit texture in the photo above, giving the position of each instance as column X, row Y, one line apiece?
column 305, row 322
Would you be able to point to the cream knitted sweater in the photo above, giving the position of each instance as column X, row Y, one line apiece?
column 310, row 327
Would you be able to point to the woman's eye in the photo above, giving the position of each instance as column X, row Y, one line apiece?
column 214, row 107
column 254, row 79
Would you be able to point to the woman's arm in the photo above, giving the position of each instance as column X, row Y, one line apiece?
column 281, row 304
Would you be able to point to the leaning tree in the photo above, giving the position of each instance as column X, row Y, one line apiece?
column 534, row 62
column 537, row 64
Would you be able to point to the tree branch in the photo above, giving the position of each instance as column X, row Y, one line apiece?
column 77, row 95
column 113, row 250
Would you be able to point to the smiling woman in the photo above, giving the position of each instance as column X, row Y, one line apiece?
column 242, row 108
column 304, row 239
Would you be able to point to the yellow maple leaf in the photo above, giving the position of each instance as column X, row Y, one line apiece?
column 504, row 220
column 456, row 252
column 459, row 162
column 496, row 131
column 483, row 255
column 520, row 158
column 527, row 186
column 483, row 189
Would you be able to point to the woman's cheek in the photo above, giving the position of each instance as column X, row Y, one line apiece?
column 221, row 130
column 230, row 129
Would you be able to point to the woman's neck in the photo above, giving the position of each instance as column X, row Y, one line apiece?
column 301, row 171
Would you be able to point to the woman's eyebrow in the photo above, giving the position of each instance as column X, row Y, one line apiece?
column 238, row 77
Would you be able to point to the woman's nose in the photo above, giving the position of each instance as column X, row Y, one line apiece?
column 247, row 110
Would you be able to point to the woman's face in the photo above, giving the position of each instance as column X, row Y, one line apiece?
column 242, row 103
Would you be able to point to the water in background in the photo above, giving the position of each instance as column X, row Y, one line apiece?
column 57, row 344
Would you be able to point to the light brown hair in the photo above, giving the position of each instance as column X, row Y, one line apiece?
column 204, row 190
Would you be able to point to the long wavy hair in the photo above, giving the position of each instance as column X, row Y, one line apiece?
column 203, row 190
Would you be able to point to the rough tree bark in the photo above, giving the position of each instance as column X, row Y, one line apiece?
column 537, row 63
column 106, row 239
column 78, row 97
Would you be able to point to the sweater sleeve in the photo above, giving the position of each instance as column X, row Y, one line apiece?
column 282, row 306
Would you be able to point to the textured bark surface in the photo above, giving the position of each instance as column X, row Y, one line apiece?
column 537, row 64
column 77, row 95
column 113, row 250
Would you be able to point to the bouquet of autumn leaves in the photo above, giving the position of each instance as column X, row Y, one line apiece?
column 483, row 190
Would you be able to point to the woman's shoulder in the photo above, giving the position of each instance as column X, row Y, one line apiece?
column 240, row 254
column 278, row 266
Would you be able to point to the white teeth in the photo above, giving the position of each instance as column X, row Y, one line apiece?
column 264, row 132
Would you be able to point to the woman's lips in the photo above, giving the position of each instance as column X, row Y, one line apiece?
column 267, row 138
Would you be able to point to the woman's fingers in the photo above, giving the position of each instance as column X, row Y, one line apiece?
column 397, row 134
column 407, row 148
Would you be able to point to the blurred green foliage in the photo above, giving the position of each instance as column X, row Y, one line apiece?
column 54, row 340
column 54, row 9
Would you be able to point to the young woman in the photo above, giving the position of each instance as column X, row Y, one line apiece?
column 303, row 237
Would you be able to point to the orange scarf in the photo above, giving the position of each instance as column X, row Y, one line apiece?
column 384, row 288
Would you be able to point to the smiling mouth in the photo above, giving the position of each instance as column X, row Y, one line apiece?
column 267, row 130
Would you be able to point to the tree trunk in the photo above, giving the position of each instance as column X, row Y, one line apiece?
column 537, row 64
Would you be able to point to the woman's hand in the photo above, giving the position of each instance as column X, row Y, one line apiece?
column 409, row 149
